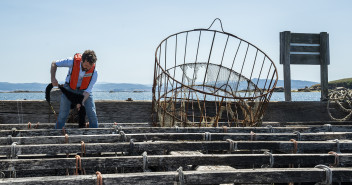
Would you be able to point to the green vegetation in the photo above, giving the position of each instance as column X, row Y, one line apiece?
column 345, row 82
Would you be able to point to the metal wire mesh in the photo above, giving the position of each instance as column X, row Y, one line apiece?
column 204, row 76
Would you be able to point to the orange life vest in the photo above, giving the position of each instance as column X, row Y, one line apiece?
column 75, row 73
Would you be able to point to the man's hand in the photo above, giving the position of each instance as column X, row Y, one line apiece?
column 85, row 97
column 53, row 74
column 54, row 82
column 78, row 106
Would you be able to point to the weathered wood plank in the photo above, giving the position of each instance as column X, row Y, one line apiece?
column 236, row 160
column 113, row 138
column 304, row 48
column 127, row 130
column 92, row 148
column 311, row 123
column 305, row 59
column 305, row 38
column 285, row 38
column 198, row 177
column 26, row 126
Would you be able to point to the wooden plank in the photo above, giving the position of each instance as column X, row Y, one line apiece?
column 94, row 148
column 283, row 175
column 305, row 59
column 313, row 123
column 325, row 61
column 306, row 38
column 285, row 38
column 127, row 130
column 236, row 160
column 113, row 138
column 304, row 48
column 24, row 126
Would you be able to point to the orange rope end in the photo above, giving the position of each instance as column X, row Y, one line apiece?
column 78, row 160
column 99, row 178
column 225, row 129
column 83, row 148
column 66, row 138
column 63, row 131
column 29, row 125
column 37, row 125
column 295, row 144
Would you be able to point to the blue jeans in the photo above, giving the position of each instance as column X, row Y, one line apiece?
column 65, row 106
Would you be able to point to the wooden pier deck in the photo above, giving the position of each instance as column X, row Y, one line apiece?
column 137, row 153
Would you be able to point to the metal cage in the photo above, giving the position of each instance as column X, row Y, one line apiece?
column 204, row 76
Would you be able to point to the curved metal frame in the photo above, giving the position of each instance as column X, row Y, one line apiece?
column 167, row 88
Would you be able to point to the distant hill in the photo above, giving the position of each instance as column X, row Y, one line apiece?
column 345, row 82
column 9, row 87
column 295, row 84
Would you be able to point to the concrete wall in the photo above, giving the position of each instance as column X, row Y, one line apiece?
column 23, row 111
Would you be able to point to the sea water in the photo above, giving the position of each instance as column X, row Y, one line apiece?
column 276, row 96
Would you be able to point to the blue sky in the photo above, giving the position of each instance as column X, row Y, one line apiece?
column 125, row 34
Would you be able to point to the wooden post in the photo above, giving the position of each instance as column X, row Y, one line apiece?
column 325, row 61
column 285, row 38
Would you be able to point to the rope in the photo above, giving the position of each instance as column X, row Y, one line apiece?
column 63, row 130
column 271, row 130
column 253, row 136
column 13, row 132
column 13, row 151
column 66, row 138
column 123, row 136
column 220, row 24
column 78, row 160
column 83, row 148
column 181, row 177
column 337, row 146
column 119, row 129
column 207, row 136
column 329, row 127
column 328, row 179
column 298, row 135
column 29, row 125
column 231, row 145
column 176, row 128
column 67, row 154
column 224, row 129
column 36, row 125
column 295, row 146
column 99, row 178
column 2, row 175
column 131, row 146
column 87, row 125
column 9, row 139
column 271, row 160
column 337, row 160
column 145, row 161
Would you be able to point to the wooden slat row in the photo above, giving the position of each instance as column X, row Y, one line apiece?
column 268, row 175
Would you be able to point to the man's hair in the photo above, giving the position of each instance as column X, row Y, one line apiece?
column 89, row 56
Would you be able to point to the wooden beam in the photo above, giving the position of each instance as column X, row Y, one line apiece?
column 305, row 59
column 283, row 175
column 235, row 160
column 25, row 126
column 285, row 38
column 325, row 61
column 93, row 148
column 113, row 138
column 127, row 130
column 305, row 38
